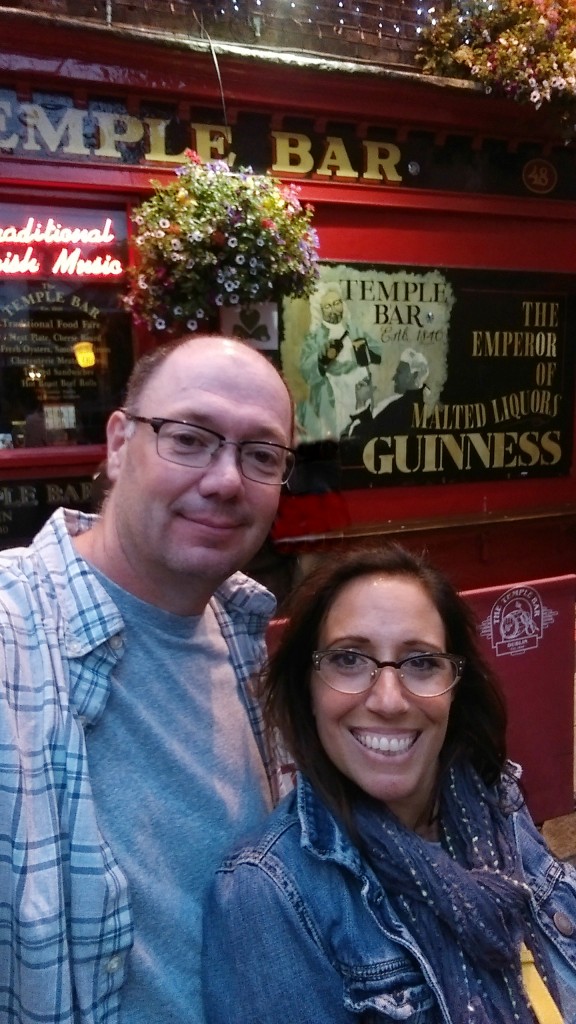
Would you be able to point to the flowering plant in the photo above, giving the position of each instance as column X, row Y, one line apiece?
column 215, row 237
column 524, row 49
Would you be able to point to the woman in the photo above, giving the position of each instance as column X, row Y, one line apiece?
column 403, row 880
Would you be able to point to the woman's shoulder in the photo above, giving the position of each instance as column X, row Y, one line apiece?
column 280, row 829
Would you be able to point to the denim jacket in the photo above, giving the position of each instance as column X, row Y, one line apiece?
column 299, row 930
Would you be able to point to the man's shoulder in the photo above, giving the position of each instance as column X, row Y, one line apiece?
column 240, row 595
column 52, row 545
column 47, row 573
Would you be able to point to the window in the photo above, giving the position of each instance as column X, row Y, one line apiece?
column 65, row 340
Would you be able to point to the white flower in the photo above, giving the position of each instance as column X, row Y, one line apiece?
column 191, row 324
column 160, row 324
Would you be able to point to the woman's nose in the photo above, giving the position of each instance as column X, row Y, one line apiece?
column 387, row 694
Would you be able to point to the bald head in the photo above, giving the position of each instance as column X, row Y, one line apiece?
column 203, row 351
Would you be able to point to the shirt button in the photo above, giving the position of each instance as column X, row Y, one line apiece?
column 74, row 646
column 114, row 963
column 115, row 642
column 563, row 923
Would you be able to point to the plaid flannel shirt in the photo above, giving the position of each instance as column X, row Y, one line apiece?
column 65, row 918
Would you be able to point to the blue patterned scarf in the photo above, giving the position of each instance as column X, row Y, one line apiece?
column 464, row 901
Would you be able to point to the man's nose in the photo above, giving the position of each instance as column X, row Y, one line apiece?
column 224, row 472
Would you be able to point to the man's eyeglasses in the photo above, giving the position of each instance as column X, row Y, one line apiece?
column 187, row 444
column 424, row 675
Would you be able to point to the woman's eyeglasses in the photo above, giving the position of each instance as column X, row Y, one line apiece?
column 425, row 675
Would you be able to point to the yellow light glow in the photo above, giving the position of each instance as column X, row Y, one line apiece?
column 84, row 353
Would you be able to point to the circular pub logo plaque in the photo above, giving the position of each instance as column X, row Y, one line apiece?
column 539, row 176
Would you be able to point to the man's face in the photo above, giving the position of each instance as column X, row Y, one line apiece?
column 332, row 308
column 178, row 526
column 364, row 392
column 404, row 379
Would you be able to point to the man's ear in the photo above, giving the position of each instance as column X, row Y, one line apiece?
column 118, row 430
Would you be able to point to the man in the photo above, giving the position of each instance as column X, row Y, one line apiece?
column 335, row 362
column 395, row 414
column 131, row 750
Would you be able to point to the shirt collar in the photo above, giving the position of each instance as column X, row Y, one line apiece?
column 89, row 614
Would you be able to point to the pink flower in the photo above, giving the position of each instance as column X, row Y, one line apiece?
column 192, row 156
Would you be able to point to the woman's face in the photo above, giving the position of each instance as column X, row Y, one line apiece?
column 385, row 739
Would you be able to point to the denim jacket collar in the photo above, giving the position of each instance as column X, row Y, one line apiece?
column 322, row 835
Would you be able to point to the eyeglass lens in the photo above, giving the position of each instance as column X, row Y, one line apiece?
column 426, row 674
column 189, row 445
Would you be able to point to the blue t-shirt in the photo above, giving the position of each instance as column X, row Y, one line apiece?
column 177, row 781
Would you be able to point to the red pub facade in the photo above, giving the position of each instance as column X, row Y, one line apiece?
column 446, row 223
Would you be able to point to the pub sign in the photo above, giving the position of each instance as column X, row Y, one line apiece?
column 412, row 375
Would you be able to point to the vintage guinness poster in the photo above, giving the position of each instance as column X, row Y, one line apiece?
column 409, row 375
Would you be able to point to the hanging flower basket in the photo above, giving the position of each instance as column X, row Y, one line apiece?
column 522, row 49
column 214, row 237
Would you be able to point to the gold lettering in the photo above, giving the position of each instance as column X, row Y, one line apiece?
column 381, row 161
column 540, row 314
column 12, row 140
column 37, row 121
column 157, row 142
column 116, row 129
column 550, row 444
column 291, row 152
column 524, row 344
column 376, row 457
column 17, row 496
column 335, row 161
column 212, row 142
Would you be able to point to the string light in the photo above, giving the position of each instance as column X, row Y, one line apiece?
column 369, row 24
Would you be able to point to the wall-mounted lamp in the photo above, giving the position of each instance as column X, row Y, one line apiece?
column 34, row 373
column 84, row 354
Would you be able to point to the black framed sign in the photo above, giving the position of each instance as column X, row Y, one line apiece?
column 412, row 375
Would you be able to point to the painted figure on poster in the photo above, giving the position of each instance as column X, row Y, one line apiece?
column 336, row 359
column 395, row 414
